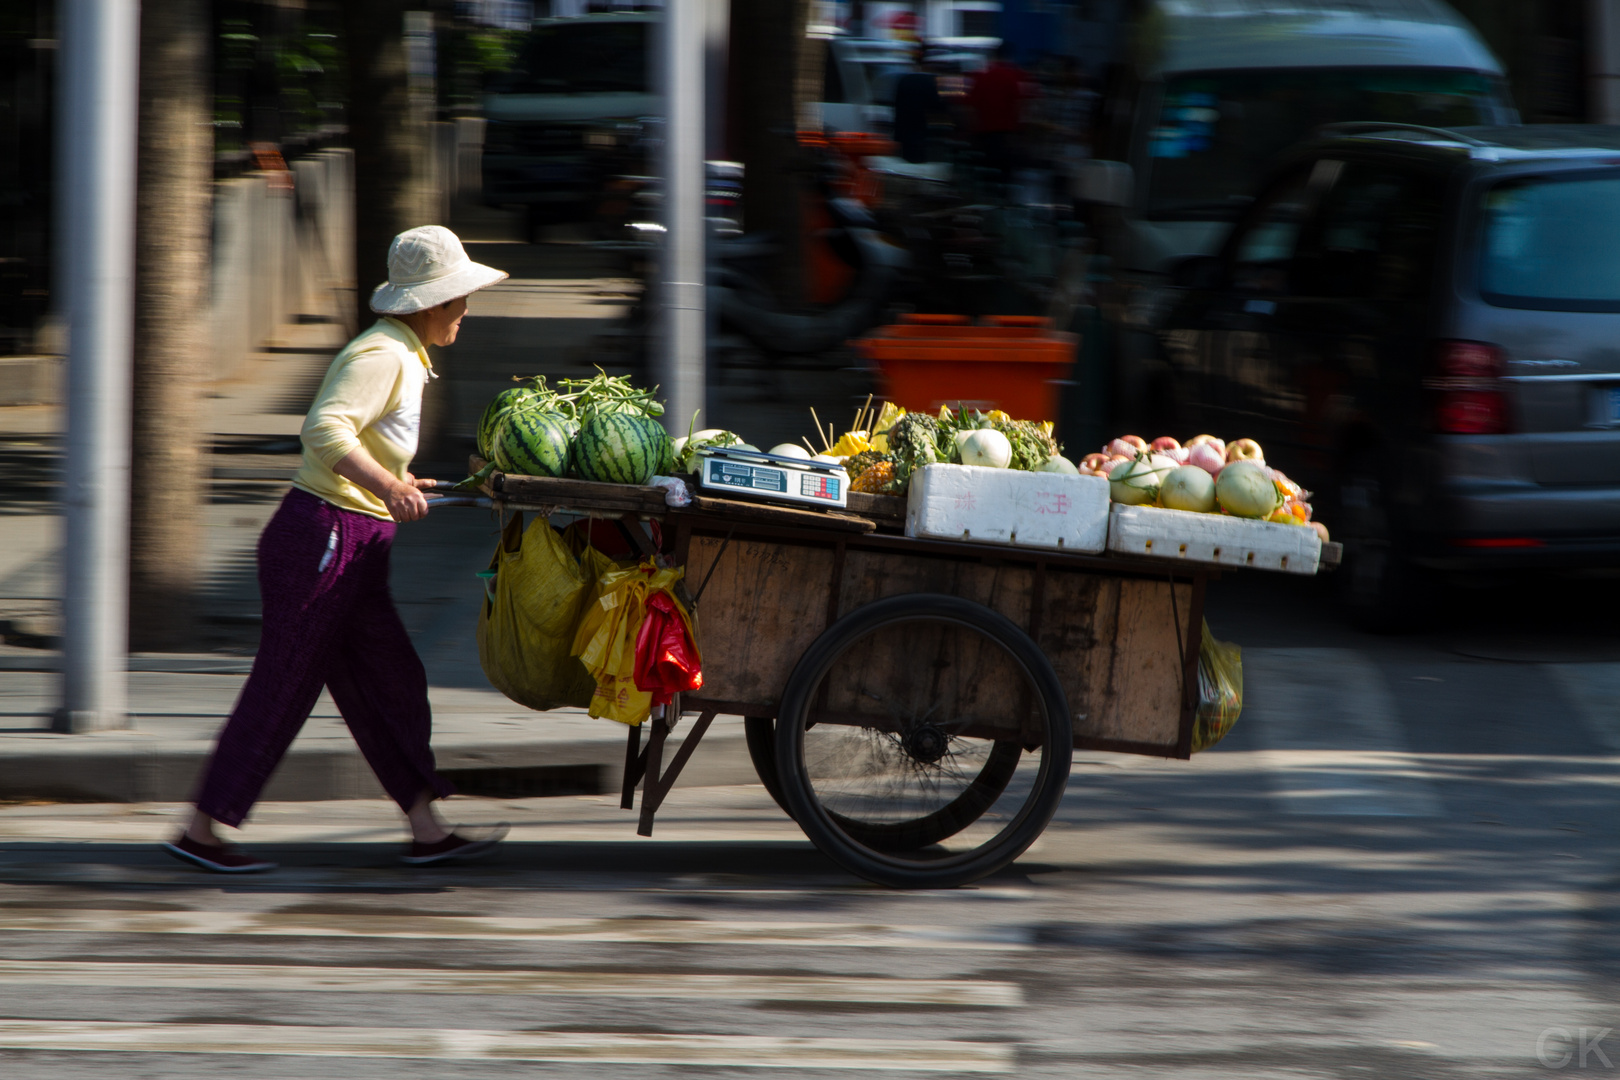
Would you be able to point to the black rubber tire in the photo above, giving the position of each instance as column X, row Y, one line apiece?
column 865, row 851
column 1380, row 589
column 760, row 735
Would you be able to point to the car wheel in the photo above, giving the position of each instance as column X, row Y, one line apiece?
column 1381, row 589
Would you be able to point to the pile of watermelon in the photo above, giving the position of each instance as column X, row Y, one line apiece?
column 600, row 429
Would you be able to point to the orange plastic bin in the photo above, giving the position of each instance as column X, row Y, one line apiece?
column 1008, row 362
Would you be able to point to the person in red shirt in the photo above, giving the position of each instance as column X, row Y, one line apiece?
column 996, row 102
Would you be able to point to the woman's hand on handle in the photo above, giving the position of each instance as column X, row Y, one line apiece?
column 406, row 502
column 403, row 498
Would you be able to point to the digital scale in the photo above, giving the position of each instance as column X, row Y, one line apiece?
column 734, row 473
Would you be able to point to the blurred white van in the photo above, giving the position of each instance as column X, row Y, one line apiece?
column 858, row 83
column 1218, row 88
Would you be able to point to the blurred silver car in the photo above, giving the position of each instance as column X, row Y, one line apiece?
column 1424, row 326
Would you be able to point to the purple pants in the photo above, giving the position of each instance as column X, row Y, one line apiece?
column 328, row 621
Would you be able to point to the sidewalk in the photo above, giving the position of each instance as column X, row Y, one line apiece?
column 486, row 744
column 540, row 321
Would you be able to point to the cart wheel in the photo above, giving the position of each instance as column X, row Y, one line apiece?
column 966, row 808
column 760, row 734
column 924, row 741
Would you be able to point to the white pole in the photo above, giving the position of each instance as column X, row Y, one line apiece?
column 100, row 54
column 681, row 372
column 1603, row 43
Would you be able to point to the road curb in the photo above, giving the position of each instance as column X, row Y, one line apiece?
column 167, row 663
column 124, row 766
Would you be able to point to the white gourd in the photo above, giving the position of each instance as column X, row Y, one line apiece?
column 987, row 447
column 788, row 449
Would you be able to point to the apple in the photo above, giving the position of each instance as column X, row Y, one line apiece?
column 1115, row 462
column 1163, row 443
column 1199, row 440
column 1092, row 464
column 1207, row 456
column 1180, row 453
column 1129, row 445
column 1245, row 450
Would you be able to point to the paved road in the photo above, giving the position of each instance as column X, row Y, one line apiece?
column 1402, row 863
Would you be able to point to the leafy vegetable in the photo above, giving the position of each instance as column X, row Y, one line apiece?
column 1032, row 442
column 913, row 443
column 579, row 399
column 686, row 449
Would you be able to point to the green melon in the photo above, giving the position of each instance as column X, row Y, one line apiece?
column 498, row 405
column 620, row 448
column 532, row 442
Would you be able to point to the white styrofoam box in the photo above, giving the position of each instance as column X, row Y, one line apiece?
column 1213, row 538
column 1006, row 506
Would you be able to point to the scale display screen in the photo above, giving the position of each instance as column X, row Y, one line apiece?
column 732, row 474
column 764, row 476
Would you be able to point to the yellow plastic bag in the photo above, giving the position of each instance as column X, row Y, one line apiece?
column 606, row 640
column 1220, row 690
column 527, row 622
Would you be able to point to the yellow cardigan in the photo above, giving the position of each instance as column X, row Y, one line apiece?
column 371, row 397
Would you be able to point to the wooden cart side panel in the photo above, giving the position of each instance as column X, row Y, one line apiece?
column 873, row 575
column 1114, row 641
column 763, row 606
column 1133, row 685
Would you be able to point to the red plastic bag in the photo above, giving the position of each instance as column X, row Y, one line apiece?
column 667, row 660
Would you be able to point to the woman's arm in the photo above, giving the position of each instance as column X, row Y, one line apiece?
column 403, row 498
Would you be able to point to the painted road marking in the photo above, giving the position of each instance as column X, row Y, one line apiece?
column 628, row 930
column 371, row 980
column 589, row 1048
column 1333, row 743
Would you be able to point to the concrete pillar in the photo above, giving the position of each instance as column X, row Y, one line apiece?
column 470, row 157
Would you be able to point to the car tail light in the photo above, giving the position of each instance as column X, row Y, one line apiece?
column 1497, row 542
column 1470, row 397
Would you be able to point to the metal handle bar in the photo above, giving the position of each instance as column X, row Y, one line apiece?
column 460, row 500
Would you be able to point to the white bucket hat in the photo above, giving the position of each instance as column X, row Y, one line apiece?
column 426, row 267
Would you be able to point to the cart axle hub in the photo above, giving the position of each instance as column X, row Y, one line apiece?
column 926, row 744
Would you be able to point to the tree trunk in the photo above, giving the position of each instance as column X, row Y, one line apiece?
column 171, row 362
column 766, row 49
column 388, row 141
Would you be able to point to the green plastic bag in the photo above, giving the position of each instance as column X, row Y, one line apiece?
column 531, row 612
column 1220, row 690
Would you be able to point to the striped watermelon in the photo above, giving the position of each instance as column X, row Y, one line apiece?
column 619, row 448
column 666, row 463
column 532, row 442
column 497, row 407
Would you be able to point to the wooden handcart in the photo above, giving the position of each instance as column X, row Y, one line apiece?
column 912, row 704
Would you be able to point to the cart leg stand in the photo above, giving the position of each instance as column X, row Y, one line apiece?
column 632, row 768
column 649, row 763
